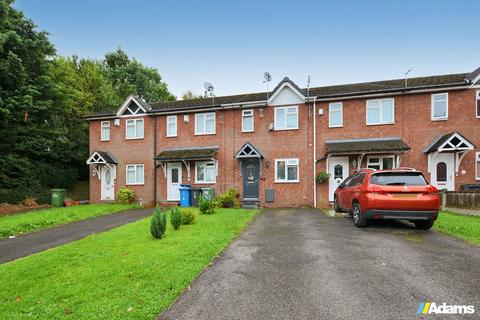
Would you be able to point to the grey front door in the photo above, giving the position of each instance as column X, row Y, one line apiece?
column 250, row 178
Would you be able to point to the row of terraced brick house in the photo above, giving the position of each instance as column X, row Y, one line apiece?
column 270, row 146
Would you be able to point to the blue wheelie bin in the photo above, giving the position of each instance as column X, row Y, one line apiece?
column 184, row 195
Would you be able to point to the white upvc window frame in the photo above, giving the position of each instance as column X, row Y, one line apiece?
column 104, row 125
column 205, row 114
column 206, row 164
column 286, row 108
column 248, row 114
column 134, row 167
column 134, row 121
column 380, row 161
column 477, row 160
column 331, row 107
column 382, row 122
column 477, row 104
column 293, row 162
column 432, row 107
column 171, row 120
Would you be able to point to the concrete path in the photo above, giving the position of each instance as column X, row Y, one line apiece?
column 302, row 264
column 21, row 246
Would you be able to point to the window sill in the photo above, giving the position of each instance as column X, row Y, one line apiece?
column 439, row 119
column 171, row 136
column 336, row 126
column 200, row 182
column 380, row 124
column 293, row 181
column 250, row 131
column 104, row 140
column 134, row 184
column 134, row 138
column 204, row 134
column 285, row 129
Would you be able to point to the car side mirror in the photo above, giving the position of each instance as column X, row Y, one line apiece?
column 341, row 186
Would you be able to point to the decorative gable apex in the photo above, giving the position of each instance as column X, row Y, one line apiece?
column 133, row 106
column 287, row 92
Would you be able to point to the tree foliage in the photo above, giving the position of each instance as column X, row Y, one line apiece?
column 189, row 95
column 43, row 98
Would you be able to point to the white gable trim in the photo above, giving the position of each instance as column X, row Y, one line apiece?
column 282, row 87
column 127, row 102
column 449, row 146
column 96, row 158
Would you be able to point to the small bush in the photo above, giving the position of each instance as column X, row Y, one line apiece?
column 175, row 218
column 227, row 199
column 206, row 206
column 158, row 225
column 188, row 217
column 322, row 177
column 125, row 195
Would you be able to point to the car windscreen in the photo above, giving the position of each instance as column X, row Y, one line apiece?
column 398, row 179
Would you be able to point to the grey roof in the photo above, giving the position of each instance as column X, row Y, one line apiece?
column 369, row 145
column 437, row 142
column 202, row 153
column 325, row 92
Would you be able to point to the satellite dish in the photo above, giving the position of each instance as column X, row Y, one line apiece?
column 267, row 76
column 208, row 86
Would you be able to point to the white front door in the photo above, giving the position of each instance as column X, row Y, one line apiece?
column 174, row 179
column 107, row 186
column 339, row 170
column 442, row 171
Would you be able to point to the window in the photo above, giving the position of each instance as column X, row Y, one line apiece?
column 135, row 174
column 335, row 115
column 441, row 172
column 440, row 106
column 205, row 172
column 381, row 162
column 477, row 165
column 286, row 170
column 380, row 111
column 478, row 104
column 134, row 128
column 171, row 126
column 398, row 179
column 205, row 123
column 105, row 133
column 357, row 180
column 247, row 121
column 286, row 118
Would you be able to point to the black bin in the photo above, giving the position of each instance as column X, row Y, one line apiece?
column 470, row 187
column 195, row 196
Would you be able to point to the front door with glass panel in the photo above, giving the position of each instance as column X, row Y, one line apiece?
column 107, row 191
column 174, row 179
column 442, row 171
column 338, row 169
column 250, row 179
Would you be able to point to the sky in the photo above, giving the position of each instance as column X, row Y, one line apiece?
column 232, row 43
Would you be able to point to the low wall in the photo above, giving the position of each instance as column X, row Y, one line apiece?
column 461, row 199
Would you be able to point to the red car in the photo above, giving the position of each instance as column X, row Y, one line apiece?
column 402, row 193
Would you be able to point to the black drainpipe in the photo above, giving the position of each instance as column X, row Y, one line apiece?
column 154, row 161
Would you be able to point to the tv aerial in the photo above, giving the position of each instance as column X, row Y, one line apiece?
column 268, row 77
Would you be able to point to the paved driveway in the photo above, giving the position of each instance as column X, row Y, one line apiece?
column 301, row 264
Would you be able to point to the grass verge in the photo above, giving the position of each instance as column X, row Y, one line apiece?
column 119, row 274
column 460, row 226
column 47, row 218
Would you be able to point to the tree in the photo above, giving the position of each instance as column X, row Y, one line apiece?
column 189, row 95
column 128, row 76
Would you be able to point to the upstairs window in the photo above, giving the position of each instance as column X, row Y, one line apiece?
column 440, row 106
column 247, row 121
column 286, row 170
column 105, row 133
column 286, row 118
column 205, row 123
column 205, row 172
column 171, row 126
column 335, row 115
column 381, row 111
column 135, row 174
column 478, row 104
column 134, row 128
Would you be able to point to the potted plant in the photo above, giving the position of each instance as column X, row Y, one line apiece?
column 68, row 202
column 322, row 177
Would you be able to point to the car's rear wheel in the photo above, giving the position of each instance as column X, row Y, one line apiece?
column 358, row 218
column 423, row 224
column 336, row 207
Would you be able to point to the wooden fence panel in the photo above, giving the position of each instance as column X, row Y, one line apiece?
column 462, row 199
column 80, row 190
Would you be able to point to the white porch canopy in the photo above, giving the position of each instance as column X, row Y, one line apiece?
column 101, row 158
column 453, row 142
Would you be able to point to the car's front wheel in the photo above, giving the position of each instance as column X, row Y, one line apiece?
column 336, row 207
column 424, row 224
column 358, row 218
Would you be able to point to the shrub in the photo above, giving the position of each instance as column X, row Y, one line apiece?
column 322, row 177
column 175, row 218
column 158, row 225
column 227, row 199
column 188, row 217
column 206, row 206
column 125, row 195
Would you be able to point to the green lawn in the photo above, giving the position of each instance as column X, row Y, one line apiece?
column 119, row 274
column 460, row 226
column 46, row 218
